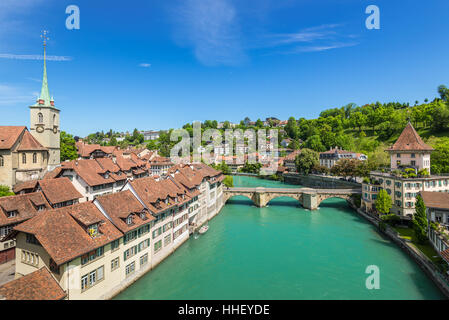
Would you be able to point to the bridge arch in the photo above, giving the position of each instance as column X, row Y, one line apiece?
column 323, row 197
column 246, row 195
column 297, row 197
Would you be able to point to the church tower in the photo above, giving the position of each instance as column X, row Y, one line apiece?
column 44, row 118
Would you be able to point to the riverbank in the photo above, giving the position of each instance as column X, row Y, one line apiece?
column 284, row 251
column 440, row 280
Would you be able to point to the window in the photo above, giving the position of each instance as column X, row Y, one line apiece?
column 115, row 264
column 130, row 268
column 144, row 259
column 158, row 246
column 4, row 231
column 167, row 240
column 12, row 214
column 88, row 257
column 129, row 220
column 84, row 283
column 413, row 162
column 157, row 232
column 2, row 162
column 93, row 230
column 129, row 253
column 40, row 117
column 30, row 258
column 115, row 244
column 92, row 278
column 413, row 155
column 24, row 158
column 32, row 239
column 398, row 155
column 35, row 157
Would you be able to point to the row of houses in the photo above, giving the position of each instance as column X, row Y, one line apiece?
column 94, row 249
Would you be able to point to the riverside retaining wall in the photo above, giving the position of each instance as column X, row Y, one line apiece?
column 315, row 181
column 440, row 280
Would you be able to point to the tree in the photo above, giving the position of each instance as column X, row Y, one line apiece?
column 440, row 116
column 420, row 220
column 259, row 123
column 68, row 148
column 383, row 202
column 228, row 181
column 314, row 143
column 5, row 191
column 152, row 145
column 444, row 92
column 292, row 128
column 306, row 161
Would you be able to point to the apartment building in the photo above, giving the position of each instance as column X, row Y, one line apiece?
column 13, row 211
column 94, row 249
column 159, row 165
column 331, row 157
column 437, row 210
column 58, row 192
column 408, row 175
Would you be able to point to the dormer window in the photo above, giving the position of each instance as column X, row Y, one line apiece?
column 166, row 201
column 142, row 216
column 93, row 230
column 12, row 214
column 129, row 220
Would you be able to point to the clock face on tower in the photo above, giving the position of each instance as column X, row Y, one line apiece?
column 55, row 129
column 40, row 129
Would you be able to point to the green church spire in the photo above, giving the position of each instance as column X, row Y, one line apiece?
column 44, row 98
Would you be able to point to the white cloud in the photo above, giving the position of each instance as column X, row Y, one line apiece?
column 314, row 39
column 308, row 34
column 323, row 48
column 11, row 95
column 145, row 65
column 33, row 57
column 211, row 28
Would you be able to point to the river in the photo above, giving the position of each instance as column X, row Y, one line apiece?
column 284, row 252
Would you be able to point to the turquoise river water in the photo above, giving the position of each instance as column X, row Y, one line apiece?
column 284, row 252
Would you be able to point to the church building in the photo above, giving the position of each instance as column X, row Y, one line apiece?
column 28, row 155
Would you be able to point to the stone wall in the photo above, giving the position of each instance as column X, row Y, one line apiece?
column 321, row 182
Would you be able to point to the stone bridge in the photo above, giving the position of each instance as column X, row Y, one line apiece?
column 309, row 198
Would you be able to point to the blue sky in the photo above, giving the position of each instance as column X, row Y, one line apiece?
column 160, row 64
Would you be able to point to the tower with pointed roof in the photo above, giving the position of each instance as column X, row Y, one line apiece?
column 410, row 151
column 44, row 118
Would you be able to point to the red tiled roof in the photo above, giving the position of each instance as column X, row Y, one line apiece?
column 409, row 140
column 153, row 193
column 108, row 164
column 25, row 186
column 29, row 143
column 292, row 156
column 85, row 150
column 439, row 200
column 9, row 135
column 59, row 190
column 38, row 285
column 24, row 204
column 89, row 170
column 120, row 205
column 63, row 232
